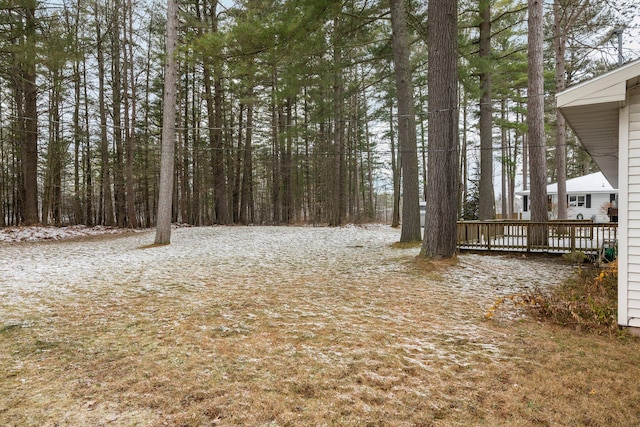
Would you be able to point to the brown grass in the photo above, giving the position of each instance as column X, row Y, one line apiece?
column 318, row 352
column 407, row 245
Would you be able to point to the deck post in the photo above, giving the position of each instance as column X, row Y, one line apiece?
column 572, row 236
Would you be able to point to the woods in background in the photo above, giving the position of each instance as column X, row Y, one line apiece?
column 286, row 112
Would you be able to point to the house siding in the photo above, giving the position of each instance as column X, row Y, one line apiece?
column 595, row 207
column 597, row 210
column 630, row 300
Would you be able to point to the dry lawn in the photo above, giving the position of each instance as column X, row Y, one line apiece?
column 289, row 327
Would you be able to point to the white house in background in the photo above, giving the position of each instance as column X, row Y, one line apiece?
column 588, row 197
column 604, row 112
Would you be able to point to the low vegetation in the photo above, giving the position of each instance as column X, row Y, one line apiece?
column 585, row 302
column 588, row 301
column 360, row 341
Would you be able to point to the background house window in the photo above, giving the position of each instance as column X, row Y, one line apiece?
column 576, row 200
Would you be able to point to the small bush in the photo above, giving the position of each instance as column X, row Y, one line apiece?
column 588, row 302
column 575, row 257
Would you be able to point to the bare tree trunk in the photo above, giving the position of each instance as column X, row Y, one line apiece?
column 406, row 125
column 5, row 179
column 131, row 123
column 276, row 178
column 287, row 164
column 214, row 117
column 564, row 17
column 52, row 189
column 219, row 185
column 505, row 159
column 423, row 147
column 88, row 170
column 116, row 85
column 339, row 211
column 77, row 127
column 106, row 205
column 559, row 44
column 163, row 229
column 486, row 208
column 464, row 163
column 396, row 170
column 246, row 196
column 442, row 196
column 371, row 211
column 146, row 163
column 536, row 136
column 30, row 160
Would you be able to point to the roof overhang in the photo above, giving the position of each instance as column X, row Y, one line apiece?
column 592, row 110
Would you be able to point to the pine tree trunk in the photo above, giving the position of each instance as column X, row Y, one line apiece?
column 535, row 121
column 486, row 209
column 339, row 197
column 116, row 86
column 276, row 169
column 559, row 43
column 130, row 135
column 163, row 229
column 77, row 136
column 396, row 170
column 246, row 198
column 464, row 162
column 30, row 160
column 406, row 125
column 442, row 196
column 106, row 198
column 506, row 159
column 88, row 170
column 219, row 185
column 423, row 148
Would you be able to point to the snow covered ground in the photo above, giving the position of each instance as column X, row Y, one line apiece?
column 42, row 264
column 41, row 233
column 100, row 327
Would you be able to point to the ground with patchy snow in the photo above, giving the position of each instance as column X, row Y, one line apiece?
column 252, row 326
column 241, row 257
column 42, row 233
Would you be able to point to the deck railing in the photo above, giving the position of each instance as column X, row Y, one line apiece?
column 526, row 236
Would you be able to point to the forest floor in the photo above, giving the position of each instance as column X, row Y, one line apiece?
column 290, row 326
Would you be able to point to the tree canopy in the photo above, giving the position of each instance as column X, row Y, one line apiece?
column 286, row 110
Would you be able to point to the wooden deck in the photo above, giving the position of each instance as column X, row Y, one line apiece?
column 548, row 237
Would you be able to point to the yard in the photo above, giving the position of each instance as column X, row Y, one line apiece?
column 289, row 326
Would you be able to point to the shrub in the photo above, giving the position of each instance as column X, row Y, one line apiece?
column 588, row 301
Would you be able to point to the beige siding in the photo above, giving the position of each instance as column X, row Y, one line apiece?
column 634, row 197
column 634, row 153
column 634, row 295
column 633, row 313
column 633, row 208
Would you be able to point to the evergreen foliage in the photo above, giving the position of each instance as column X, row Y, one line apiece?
column 286, row 109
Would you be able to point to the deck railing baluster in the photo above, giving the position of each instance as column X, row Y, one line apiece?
column 562, row 236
